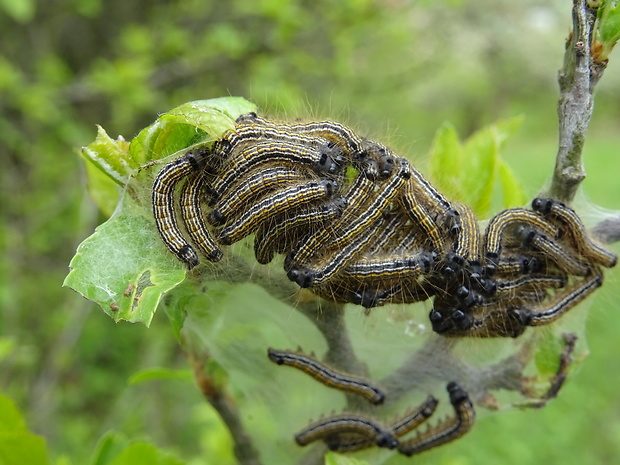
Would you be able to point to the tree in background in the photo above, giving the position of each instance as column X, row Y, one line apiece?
column 67, row 65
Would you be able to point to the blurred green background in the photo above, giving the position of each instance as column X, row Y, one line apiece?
column 393, row 69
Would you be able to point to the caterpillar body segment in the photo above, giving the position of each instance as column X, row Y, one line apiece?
column 193, row 218
column 286, row 230
column 245, row 191
column 290, row 198
column 446, row 430
column 164, row 209
column 328, row 376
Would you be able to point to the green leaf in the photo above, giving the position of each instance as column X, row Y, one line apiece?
column 109, row 446
column 186, row 125
column 481, row 160
column 609, row 26
column 110, row 157
column 11, row 419
column 22, row 448
column 332, row 458
column 115, row 449
column 478, row 172
column 446, row 157
column 157, row 373
column 124, row 266
column 143, row 453
column 102, row 189
column 546, row 358
column 17, row 444
column 511, row 189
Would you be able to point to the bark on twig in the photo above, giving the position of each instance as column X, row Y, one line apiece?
column 577, row 80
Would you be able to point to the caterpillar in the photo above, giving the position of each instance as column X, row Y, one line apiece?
column 357, row 223
column 274, row 203
column 357, row 425
column 328, row 376
column 565, row 216
column 447, row 430
column 348, row 432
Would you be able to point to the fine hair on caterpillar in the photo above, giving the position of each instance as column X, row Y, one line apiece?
column 358, row 223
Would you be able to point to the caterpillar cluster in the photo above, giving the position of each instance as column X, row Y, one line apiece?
column 359, row 224
column 352, row 432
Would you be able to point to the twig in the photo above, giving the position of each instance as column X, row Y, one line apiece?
column 566, row 359
column 577, row 80
column 243, row 449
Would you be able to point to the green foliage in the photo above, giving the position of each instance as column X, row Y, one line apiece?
column 20, row 10
column 17, row 444
column 115, row 449
column 150, row 374
column 123, row 267
column 110, row 157
column 67, row 65
column 468, row 171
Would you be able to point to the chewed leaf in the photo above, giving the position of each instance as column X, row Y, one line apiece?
column 124, row 266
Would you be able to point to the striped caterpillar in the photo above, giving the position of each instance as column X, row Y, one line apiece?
column 349, row 432
column 359, row 224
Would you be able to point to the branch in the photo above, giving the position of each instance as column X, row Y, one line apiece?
column 243, row 449
column 577, row 80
